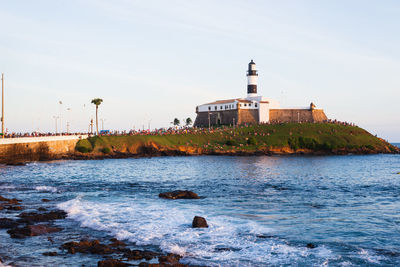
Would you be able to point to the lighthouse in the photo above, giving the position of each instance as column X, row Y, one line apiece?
column 252, row 76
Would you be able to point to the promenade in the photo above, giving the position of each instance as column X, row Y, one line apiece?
column 23, row 140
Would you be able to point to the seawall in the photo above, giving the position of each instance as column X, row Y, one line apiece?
column 19, row 150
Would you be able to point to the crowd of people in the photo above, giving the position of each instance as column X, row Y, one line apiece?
column 160, row 131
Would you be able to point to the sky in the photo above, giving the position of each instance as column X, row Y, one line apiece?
column 151, row 61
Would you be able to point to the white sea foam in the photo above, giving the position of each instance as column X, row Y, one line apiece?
column 45, row 188
column 6, row 187
column 370, row 256
column 227, row 241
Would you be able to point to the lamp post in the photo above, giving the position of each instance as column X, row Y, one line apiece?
column 2, row 105
column 209, row 123
column 68, row 119
column 102, row 123
column 60, row 102
column 55, row 118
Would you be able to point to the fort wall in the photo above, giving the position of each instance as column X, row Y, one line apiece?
column 226, row 117
column 15, row 150
column 249, row 116
column 297, row 115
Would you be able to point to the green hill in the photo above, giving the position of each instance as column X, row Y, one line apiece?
column 289, row 138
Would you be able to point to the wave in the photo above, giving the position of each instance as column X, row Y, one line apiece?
column 228, row 241
column 45, row 188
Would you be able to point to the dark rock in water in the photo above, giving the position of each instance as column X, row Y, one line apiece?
column 265, row 236
column 50, row 253
column 199, row 222
column 45, row 200
column 42, row 217
column 311, row 245
column 86, row 246
column 10, row 201
column 139, row 255
column 111, row 263
column 42, row 209
column 32, row 230
column 7, row 223
column 170, row 260
column 14, row 208
column 117, row 243
column 179, row 194
column 16, row 163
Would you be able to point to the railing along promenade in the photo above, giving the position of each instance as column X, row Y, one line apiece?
column 34, row 139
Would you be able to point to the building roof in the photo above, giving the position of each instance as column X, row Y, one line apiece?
column 221, row 102
column 251, row 62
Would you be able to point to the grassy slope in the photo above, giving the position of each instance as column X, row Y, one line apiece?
column 315, row 137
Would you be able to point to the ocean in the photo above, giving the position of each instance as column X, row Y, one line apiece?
column 261, row 210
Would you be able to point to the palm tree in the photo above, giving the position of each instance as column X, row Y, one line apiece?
column 97, row 102
column 188, row 121
column 176, row 122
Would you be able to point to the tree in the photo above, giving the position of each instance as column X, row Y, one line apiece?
column 97, row 102
column 176, row 122
column 188, row 121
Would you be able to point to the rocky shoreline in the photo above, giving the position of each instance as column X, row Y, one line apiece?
column 22, row 221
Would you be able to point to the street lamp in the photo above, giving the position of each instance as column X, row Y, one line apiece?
column 2, row 105
column 68, row 119
column 60, row 102
column 55, row 118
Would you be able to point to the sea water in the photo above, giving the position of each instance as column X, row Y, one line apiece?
column 261, row 211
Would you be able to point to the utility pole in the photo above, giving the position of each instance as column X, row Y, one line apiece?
column 209, row 123
column 55, row 118
column 2, row 105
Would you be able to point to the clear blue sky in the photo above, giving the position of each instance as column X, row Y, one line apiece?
column 156, row 60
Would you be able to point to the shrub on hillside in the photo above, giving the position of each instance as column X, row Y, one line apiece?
column 230, row 142
column 82, row 149
column 293, row 142
column 105, row 150
column 252, row 141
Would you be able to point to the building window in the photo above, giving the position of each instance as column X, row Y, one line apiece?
column 215, row 107
column 250, row 105
column 221, row 107
column 255, row 104
column 245, row 105
column 209, row 108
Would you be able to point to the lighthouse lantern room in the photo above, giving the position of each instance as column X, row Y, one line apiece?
column 252, row 77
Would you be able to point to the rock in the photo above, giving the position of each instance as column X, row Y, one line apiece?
column 139, row 255
column 14, row 208
column 117, row 243
column 16, row 163
column 111, row 263
column 42, row 217
column 32, row 230
column 179, row 194
column 42, row 209
column 311, row 245
column 199, row 222
column 170, row 260
column 50, row 253
column 45, row 200
column 12, row 201
column 86, row 246
column 7, row 223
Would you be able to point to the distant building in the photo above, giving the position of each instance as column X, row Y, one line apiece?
column 253, row 109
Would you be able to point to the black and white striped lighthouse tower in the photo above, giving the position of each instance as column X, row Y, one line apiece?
column 252, row 76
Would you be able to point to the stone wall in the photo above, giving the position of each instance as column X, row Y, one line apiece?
column 18, row 151
column 249, row 116
column 297, row 115
column 225, row 117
